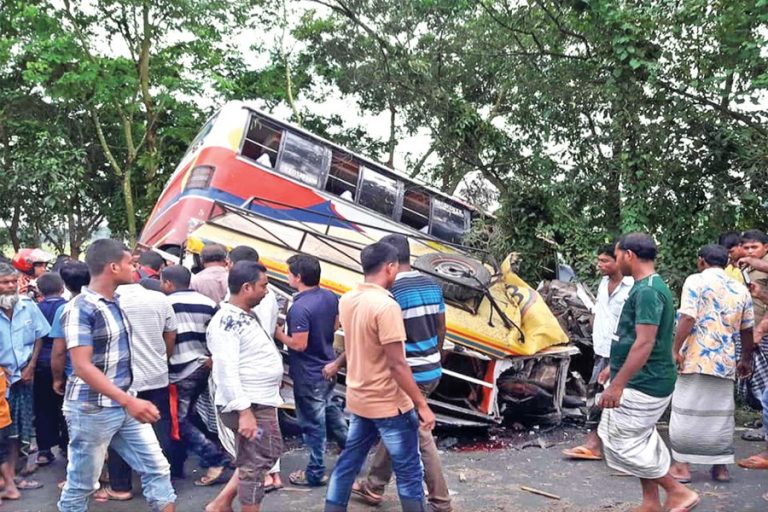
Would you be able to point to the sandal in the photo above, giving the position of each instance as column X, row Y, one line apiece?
column 44, row 458
column 300, row 478
column 214, row 476
column 582, row 453
column 362, row 491
column 105, row 494
column 753, row 435
column 28, row 485
column 687, row 508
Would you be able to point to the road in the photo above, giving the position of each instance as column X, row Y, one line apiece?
column 482, row 478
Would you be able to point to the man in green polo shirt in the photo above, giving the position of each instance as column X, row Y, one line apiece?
column 642, row 378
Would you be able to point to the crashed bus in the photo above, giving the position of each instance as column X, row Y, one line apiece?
column 251, row 179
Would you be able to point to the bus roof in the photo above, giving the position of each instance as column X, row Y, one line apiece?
column 379, row 167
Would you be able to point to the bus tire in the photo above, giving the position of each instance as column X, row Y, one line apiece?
column 463, row 275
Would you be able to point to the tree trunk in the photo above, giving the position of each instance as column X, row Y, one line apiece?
column 13, row 228
column 130, row 211
column 392, row 143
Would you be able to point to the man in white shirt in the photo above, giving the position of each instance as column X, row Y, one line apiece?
column 611, row 294
column 247, row 372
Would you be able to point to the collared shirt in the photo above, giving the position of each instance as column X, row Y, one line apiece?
column 734, row 273
column 314, row 312
column 211, row 282
column 372, row 319
column 57, row 331
column 722, row 308
column 607, row 312
column 18, row 335
column 193, row 314
column 150, row 315
column 247, row 367
column 421, row 300
column 92, row 320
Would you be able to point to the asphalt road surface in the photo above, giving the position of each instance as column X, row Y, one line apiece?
column 482, row 477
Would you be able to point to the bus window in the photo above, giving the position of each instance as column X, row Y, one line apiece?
column 342, row 178
column 304, row 160
column 378, row 192
column 415, row 209
column 262, row 141
column 449, row 222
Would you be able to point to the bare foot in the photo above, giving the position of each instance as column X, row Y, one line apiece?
column 680, row 471
column 681, row 499
column 276, row 480
column 720, row 473
column 11, row 494
column 648, row 508
column 214, row 507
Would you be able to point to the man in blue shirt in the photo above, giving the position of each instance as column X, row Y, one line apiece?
column 421, row 300
column 98, row 407
column 312, row 322
column 50, row 427
column 22, row 327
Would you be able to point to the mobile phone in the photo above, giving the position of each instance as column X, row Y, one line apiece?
column 745, row 275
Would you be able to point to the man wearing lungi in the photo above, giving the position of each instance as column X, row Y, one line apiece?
column 642, row 372
column 714, row 310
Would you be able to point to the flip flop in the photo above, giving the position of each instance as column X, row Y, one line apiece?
column 581, row 453
column 753, row 462
column 687, row 508
column 208, row 479
column 753, row 435
column 28, row 485
column 681, row 479
column 365, row 494
column 299, row 478
column 106, row 494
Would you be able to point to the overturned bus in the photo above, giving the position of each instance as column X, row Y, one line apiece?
column 251, row 179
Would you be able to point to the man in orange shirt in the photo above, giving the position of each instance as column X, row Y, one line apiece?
column 381, row 393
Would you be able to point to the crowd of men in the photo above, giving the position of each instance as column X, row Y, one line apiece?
column 136, row 363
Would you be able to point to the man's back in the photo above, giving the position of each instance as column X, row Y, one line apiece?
column 721, row 307
column 421, row 301
column 149, row 315
column 193, row 312
column 371, row 319
column 211, row 282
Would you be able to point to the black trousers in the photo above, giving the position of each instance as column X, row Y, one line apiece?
column 119, row 470
column 50, row 426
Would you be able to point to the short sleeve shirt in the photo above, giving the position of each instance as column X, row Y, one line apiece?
column 761, row 278
column 372, row 319
column 314, row 311
column 721, row 308
column 57, row 331
column 92, row 320
column 18, row 335
column 649, row 303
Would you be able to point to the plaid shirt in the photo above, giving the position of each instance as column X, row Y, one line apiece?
column 91, row 320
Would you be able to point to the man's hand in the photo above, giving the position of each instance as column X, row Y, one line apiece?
column 604, row 375
column 58, row 386
column 330, row 370
column 679, row 360
column 426, row 417
column 246, row 424
column 208, row 363
column 142, row 410
column 747, row 261
column 744, row 369
column 28, row 373
column 611, row 397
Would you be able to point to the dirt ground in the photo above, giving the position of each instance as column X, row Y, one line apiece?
column 484, row 475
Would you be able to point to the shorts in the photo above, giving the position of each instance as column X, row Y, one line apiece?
column 254, row 458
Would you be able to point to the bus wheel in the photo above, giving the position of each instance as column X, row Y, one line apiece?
column 462, row 274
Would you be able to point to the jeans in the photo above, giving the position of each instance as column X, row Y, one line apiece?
column 119, row 470
column 188, row 391
column 317, row 414
column 400, row 435
column 91, row 430
column 50, row 426
column 380, row 472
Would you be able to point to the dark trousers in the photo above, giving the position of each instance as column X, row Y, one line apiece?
column 50, row 426
column 119, row 470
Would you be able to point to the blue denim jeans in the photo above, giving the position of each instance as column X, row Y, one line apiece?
column 91, row 429
column 401, row 438
column 318, row 416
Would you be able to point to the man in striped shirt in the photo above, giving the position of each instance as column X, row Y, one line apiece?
column 97, row 404
column 190, row 367
column 421, row 300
